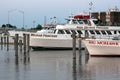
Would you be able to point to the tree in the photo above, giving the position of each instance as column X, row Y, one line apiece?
column 39, row 27
column 9, row 26
column 3, row 26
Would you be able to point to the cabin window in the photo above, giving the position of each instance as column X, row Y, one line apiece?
column 95, row 22
column 73, row 31
column 81, row 22
column 109, row 33
column 68, row 21
column 54, row 31
column 103, row 32
column 61, row 32
column 67, row 31
column 115, row 32
column 119, row 32
column 92, row 32
column 97, row 32
column 85, row 21
column 80, row 32
column 74, row 22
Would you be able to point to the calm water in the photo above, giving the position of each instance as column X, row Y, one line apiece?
column 57, row 65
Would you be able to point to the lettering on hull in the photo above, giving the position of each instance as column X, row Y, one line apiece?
column 43, row 35
column 105, row 43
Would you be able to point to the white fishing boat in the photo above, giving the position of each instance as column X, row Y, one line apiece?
column 58, row 37
column 110, row 46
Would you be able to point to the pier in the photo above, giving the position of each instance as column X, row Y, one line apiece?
column 21, row 45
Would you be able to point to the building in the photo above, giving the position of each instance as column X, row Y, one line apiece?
column 110, row 17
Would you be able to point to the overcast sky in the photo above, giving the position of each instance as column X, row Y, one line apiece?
column 35, row 10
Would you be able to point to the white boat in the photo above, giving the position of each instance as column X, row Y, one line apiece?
column 103, row 47
column 52, row 39
column 102, row 42
column 59, row 37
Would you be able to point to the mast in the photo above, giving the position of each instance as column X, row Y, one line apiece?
column 90, row 8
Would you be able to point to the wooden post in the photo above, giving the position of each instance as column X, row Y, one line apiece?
column 28, row 42
column 7, row 42
column 24, row 45
column 1, row 42
column 4, row 41
column 20, row 45
column 74, row 45
column 79, row 48
column 28, row 46
column 79, row 41
column 16, row 45
column 74, row 54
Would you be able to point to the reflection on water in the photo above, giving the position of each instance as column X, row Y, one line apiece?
column 104, row 68
column 100, row 68
column 57, row 65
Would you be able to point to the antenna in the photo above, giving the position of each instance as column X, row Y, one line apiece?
column 90, row 8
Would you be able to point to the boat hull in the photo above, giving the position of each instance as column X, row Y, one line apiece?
column 103, row 47
column 57, row 43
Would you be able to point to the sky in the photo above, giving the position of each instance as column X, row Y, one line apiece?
column 35, row 11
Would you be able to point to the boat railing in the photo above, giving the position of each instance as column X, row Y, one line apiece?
column 101, row 36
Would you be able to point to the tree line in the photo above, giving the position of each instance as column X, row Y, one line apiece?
column 38, row 27
column 8, row 26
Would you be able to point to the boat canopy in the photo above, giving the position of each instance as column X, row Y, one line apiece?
column 82, row 17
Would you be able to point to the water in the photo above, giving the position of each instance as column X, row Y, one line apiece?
column 57, row 65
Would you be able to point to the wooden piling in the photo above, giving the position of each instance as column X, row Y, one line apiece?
column 80, row 44
column 74, row 45
column 7, row 42
column 16, row 45
column 1, row 42
column 4, row 42
column 24, row 45
column 28, row 42
column 74, row 54
column 4, row 39
column 28, row 46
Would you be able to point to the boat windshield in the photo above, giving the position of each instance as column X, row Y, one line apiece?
column 83, row 21
column 74, row 22
column 77, row 21
column 97, row 22
column 46, row 30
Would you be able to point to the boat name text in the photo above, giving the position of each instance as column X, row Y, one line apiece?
column 43, row 35
column 104, row 42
